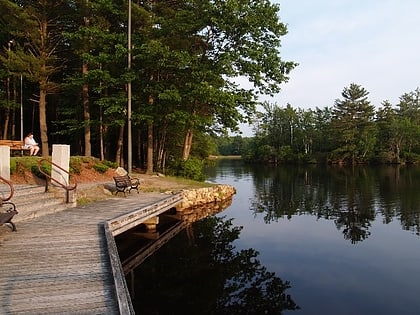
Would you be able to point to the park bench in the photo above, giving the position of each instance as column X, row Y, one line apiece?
column 15, row 145
column 126, row 183
column 7, row 216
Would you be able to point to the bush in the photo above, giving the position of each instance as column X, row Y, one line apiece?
column 75, row 166
column 110, row 164
column 100, row 168
column 411, row 158
column 13, row 167
column 190, row 169
column 45, row 167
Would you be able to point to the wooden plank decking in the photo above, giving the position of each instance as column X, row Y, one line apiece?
column 60, row 264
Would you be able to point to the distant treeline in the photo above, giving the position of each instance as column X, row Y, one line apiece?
column 351, row 132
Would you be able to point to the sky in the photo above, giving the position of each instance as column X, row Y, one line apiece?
column 372, row 43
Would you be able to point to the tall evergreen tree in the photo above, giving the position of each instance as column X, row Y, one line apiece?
column 39, row 40
column 353, row 124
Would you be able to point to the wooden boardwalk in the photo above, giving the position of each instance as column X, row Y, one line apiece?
column 60, row 263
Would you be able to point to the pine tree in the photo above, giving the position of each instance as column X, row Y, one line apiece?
column 353, row 125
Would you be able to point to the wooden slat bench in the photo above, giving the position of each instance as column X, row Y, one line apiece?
column 126, row 183
column 15, row 145
column 7, row 216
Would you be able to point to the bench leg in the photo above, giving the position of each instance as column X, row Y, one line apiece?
column 11, row 225
column 136, row 188
column 120, row 189
column 6, row 217
column 124, row 191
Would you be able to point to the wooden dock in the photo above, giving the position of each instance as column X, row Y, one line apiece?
column 66, row 262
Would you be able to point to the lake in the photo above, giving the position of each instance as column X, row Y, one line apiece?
column 295, row 239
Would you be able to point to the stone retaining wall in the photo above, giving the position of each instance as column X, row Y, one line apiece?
column 201, row 196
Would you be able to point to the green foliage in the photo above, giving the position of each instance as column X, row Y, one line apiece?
column 19, row 164
column 285, row 154
column 13, row 167
column 411, row 157
column 45, row 167
column 186, row 59
column 352, row 132
column 203, row 146
column 353, row 124
column 75, row 166
column 190, row 169
column 100, row 168
column 110, row 164
column 236, row 145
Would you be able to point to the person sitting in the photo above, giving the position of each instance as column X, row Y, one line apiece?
column 31, row 144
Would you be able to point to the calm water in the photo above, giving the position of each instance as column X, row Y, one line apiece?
column 303, row 240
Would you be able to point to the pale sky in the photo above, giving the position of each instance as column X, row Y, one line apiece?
column 373, row 43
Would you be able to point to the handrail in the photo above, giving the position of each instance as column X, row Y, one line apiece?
column 12, row 189
column 67, row 188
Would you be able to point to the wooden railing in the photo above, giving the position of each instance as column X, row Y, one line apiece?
column 48, row 177
column 12, row 190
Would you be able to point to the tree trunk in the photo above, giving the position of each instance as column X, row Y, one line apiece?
column 149, row 168
column 161, row 147
column 118, row 155
column 86, row 112
column 43, row 86
column 85, row 88
column 7, row 110
column 13, row 115
column 43, row 118
column 101, row 134
column 187, row 144
column 398, row 150
column 138, row 152
column 149, row 165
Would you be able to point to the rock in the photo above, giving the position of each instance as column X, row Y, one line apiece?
column 120, row 171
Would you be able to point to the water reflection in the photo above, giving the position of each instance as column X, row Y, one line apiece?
column 136, row 245
column 296, row 222
column 352, row 197
column 202, row 272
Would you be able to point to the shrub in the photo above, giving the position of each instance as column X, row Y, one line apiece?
column 45, row 167
column 110, row 164
column 100, row 168
column 13, row 167
column 75, row 166
column 191, row 168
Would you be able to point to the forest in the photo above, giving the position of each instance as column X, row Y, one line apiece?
column 97, row 74
column 352, row 131
column 162, row 78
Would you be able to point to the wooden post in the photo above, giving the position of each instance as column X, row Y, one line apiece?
column 61, row 157
column 5, row 161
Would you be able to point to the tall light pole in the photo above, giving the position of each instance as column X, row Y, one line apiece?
column 21, row 108
column 129, row 137
column 10, row 43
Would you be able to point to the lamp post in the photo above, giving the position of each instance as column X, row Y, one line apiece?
column 129, row 137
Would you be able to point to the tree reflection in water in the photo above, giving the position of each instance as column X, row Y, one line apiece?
column 201, row 272
column 350, row 196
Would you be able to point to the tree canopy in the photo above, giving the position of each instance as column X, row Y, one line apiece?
column 186, row 59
